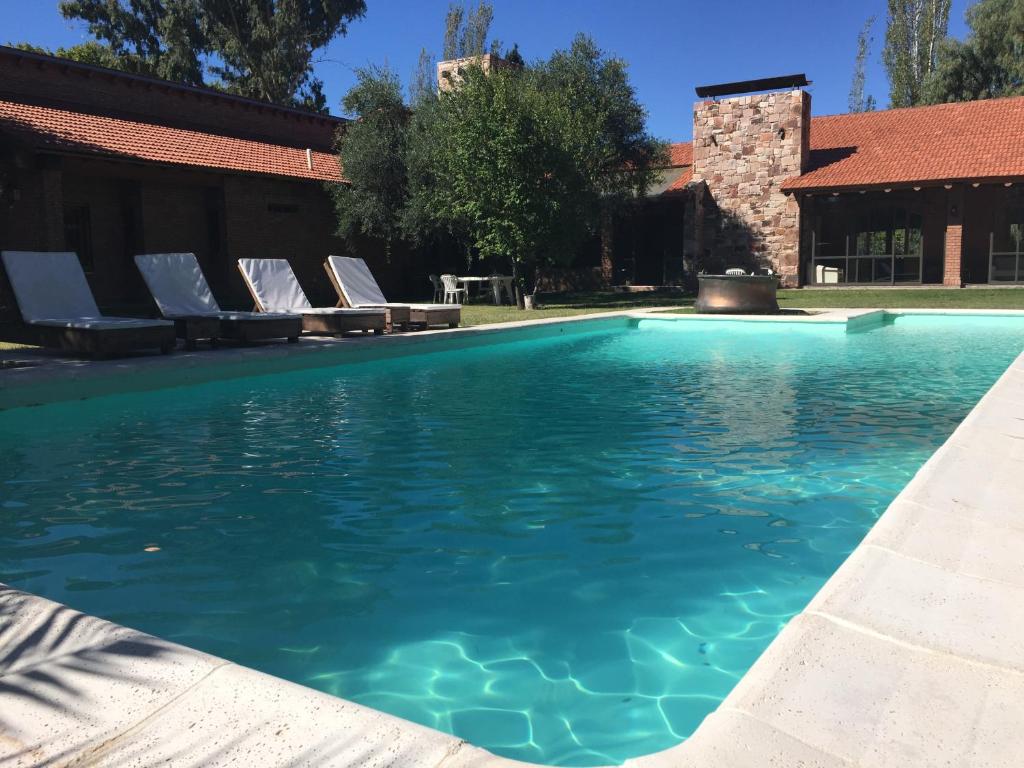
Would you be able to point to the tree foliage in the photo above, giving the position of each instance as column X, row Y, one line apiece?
column 989, row 63
column 859, row 101
column 515, row 163
column 912, row 38
column 257, row 48
column 466, row 30
column 373, row 152
column 94, row 53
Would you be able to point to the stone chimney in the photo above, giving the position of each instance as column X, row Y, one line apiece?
column 744, row 147
column 450, row 72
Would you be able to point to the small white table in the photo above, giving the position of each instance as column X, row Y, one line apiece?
column 497, row 282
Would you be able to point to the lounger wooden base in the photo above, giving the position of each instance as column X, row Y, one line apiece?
column 261, row 330
column 93, row 342
column 428, row 317
column 336, row 324
column 193, row 329
column 244, row 329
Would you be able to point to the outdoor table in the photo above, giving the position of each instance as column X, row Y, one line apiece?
column 497, row 282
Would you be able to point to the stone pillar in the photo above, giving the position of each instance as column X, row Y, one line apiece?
column 952, row 272
column 744, row 148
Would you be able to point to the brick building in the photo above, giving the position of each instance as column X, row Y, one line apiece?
column 922, row 195
column 109, row 164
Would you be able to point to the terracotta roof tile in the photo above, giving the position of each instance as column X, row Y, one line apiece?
column 974, row 140
column 70, row 131
column 680, row 155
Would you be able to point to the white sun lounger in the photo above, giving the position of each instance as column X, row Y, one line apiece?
column 58, row 309
column 275, row 288
column 183, row 295
column 357, row 287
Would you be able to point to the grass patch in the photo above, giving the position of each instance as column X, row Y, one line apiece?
column 916, row 298
column 570, row 304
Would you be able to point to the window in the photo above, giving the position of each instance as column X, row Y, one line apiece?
column 78, row 234
column 888, row 231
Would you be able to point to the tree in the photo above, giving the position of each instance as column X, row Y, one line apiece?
column 257, row 48
column 521, row 162
column 94, row 53
column 466, row 30
column 859, row 102
column 372, row 150
column 162, row 38
column 915, row 30
column 989, row 63
column 424, row 78
column 266, row 46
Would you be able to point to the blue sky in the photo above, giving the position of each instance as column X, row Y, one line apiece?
column 671, row 46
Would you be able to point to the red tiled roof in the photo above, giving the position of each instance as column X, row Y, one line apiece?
column 680, row 155
column 976, row 140
column 70, row 131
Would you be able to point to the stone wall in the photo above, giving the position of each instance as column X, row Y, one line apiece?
column 743, row 149
column 451, row 71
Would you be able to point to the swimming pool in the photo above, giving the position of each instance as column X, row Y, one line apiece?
column 565, row 549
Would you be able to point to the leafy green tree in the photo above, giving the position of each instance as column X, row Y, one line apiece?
column 989, row 63
column 522, row 162
column 915, row 30
column 424, row 78
column 266, row 46
column 162, row 38
column 94, row 53
column 372, row 149
column 257, row 48
column 466, row 30
column 859, row 102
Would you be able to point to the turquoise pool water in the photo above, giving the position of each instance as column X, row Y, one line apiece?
column 564, row 549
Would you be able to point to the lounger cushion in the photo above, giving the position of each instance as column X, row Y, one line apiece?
column 51, row 290
column 273, row 284
column 421, row 307
column 49, row 285
column 178, row 285
column 181, row 291
column 347, row 311
column 356, row 281
column 102, row 323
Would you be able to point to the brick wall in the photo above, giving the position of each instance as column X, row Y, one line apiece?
column 743, row 149
column 952, row 269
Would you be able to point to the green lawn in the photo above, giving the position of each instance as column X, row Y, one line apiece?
column 565, row 305
column 916, row 298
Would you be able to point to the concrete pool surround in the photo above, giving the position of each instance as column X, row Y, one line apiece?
column 911, row 654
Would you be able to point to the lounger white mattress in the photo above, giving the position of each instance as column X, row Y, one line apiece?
column 181, row 291
column 273, row 284
column 360, row 287
column 51, row 290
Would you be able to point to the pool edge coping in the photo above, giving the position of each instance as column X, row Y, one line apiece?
column 967, row 481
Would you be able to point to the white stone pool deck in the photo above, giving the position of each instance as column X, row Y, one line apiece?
column 912, row 654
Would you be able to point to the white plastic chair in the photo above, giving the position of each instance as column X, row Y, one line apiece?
column 736, row 271
column 438, row 288
column 452, row 292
